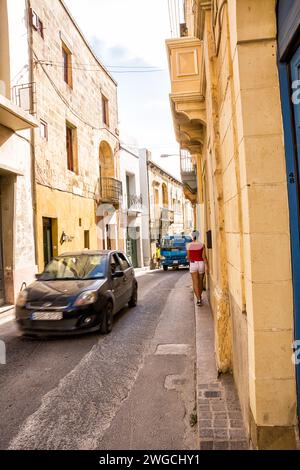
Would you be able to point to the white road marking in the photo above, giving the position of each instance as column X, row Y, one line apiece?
column 172, row 349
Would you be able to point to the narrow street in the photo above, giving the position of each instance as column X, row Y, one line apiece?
column 133, row 389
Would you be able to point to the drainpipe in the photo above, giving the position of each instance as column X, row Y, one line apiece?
column 32, row 136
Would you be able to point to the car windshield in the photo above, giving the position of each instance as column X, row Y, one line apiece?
column 176, row 242
column 75, row 267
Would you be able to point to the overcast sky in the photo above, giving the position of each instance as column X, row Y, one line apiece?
column 132, row 33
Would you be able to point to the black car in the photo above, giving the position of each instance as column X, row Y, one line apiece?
column 77, row 292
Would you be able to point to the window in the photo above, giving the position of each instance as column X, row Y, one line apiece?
column 124, row 262
column 71, row 142
column 115, row 265
column 105, row 111
column 130, row 190
column 87, row 239
column 44, row 130
column 76, row 267
column 36, row 23
column 67, row 64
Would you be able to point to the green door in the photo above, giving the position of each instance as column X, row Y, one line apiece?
column 47, row 239
column 131, row 245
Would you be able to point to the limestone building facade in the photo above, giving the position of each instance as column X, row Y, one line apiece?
column 76, row 148
column 227, row 111
column 132, row 203
column 170, row 212
column 17, row 247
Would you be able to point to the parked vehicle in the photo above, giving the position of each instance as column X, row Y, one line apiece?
column 77, row 293
column 173, row 251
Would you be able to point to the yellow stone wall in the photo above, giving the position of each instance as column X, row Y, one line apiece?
column 265, row 215
column 71, row 195
column 243, row 180
column 67, row 209
column 183, row 216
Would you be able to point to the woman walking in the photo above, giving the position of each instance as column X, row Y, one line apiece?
column 198, row 262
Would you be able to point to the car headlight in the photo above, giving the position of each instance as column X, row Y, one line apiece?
column 22, row 298
column 162, row 257
column 86, row 298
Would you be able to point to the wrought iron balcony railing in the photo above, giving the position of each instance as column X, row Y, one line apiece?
column 24, row 96
column 134, row 202
column 186, row 163
column 111, row 190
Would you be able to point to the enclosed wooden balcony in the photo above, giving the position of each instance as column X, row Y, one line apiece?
column 111, row 191
column 187, row 75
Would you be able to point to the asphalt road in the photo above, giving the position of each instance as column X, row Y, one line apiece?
column 132, row 389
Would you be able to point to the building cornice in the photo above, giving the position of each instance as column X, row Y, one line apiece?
column 187, row 97
column 151, row 163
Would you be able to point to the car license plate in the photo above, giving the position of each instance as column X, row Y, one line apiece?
column 47, row 316
column 175, row 262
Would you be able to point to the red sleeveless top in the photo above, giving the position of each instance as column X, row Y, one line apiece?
column 195, row 252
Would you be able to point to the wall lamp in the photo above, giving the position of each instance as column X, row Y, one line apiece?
column 65, row 238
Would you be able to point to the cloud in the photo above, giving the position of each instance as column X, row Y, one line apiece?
column 116, row 55
column 132, row 33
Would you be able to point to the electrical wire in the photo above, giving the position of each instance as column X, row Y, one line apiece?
column 170, row 19
column 85, row 69
column 96, row 70
column 77, row 64
column 64, row 100
column 173, row 14
column 176, row 17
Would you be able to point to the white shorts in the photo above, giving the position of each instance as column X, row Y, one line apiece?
column 197, row 267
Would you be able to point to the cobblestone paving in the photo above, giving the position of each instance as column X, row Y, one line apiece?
column 220, row 421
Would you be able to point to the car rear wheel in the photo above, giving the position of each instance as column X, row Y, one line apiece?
column 134, row 298
column 165, row 268
column 107, row 321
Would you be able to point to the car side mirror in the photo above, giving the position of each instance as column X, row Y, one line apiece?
column 117, row 274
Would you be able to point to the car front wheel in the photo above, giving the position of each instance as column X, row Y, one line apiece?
column 133, row 301
column 107, row 321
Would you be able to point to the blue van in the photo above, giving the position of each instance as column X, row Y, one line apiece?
column 173, row 251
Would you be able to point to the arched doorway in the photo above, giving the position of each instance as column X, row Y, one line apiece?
column 109, row 196
column 106, row 161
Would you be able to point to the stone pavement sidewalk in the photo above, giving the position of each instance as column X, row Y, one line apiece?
column 220, row 422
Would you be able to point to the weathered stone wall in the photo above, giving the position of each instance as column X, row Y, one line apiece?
column 175, row 193
column 246, row 207
column 130, row 165
column 79, row 105
column 15, row 165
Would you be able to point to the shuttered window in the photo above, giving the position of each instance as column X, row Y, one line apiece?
column 71, row 144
